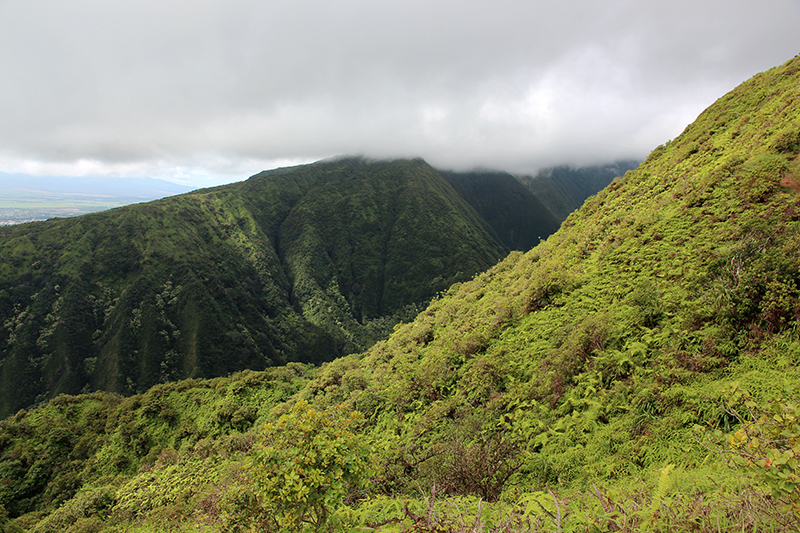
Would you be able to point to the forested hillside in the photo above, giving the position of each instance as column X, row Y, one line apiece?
column 563, row 189
column 518, row 217
column 300, row 264
column 635, row 372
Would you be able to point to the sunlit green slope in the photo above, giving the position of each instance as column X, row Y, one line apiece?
column 595, row 353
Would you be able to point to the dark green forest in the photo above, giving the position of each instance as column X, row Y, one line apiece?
column 297, row 264
column 636, row 371
column 563, row 189
column 517, row 216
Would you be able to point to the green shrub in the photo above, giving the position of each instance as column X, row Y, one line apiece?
column 767, row 445
column 308, row 462
column 84, row 513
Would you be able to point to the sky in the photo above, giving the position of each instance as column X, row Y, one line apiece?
column 204, row 92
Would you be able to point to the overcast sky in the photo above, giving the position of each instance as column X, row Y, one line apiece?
column 207, row 91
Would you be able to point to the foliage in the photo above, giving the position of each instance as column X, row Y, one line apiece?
column 766, row 445
column 580, row 369
column 87, row 511
column 51, row 452
column 306, row 465
column 299, row 264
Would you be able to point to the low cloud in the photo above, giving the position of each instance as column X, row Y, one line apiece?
column 215, row 91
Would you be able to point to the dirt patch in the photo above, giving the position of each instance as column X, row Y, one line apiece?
column 792, row 177
column 790, row 181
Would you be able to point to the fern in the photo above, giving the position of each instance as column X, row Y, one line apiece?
column 665, row 482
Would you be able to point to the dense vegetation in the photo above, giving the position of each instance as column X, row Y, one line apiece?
column 635, row 372
column 563, row 189
column 517, row 216
column 299, row 264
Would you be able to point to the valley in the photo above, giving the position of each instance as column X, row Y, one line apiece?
column 636, row 370
column 299, row 264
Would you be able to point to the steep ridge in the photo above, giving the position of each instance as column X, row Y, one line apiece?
column 596, row 352
column 518, row 217
column 299, row 264
column 563, row 189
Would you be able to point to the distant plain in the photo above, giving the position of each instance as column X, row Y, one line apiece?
column 25, row 198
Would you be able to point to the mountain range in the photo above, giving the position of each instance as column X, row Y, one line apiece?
column 636, row 371
column 302, row 264
column 27, row 198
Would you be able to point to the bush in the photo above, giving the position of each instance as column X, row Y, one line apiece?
column 306, row 464
column 84, row 513
column 765, row 446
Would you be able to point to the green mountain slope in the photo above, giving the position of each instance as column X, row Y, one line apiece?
column 564, row 189
column 681, row 273
column 299, row 264
column 570, row 388
column 596, row 352
column 519, row 218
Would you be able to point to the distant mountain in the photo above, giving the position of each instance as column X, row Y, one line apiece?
column 563, row 189
column 518, row 217
column 26, row 198
column 141, row 188
column 297, row 264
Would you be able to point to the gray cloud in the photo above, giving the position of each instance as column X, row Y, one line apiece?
column 216, row 90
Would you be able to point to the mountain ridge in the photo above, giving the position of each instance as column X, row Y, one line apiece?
column 298, row 264
column 626, row 374
column 562, row 189
column 519, row 217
